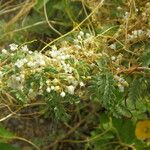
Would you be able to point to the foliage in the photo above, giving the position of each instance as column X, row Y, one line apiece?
column 115, row 133
column 83, row 65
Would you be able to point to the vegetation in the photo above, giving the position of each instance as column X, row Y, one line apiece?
column 75, row 74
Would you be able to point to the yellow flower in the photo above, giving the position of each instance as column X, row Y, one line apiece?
column 142, row 130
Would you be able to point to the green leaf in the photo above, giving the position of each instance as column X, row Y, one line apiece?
column 5, row 146
column 145, row 59
column 134, row 91
column 125, row 129
column 50, row 69
column 5, row 135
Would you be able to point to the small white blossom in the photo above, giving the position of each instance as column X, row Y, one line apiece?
column 48, row 89
column 79, row 37
column 121, row 88
column 76, row 41
column 119, row 8
column 18, row 78
column 19, row 63
column 30, row 52
column 126, row 15
column 87, row 35
column 57, row 88
column 54, row 48
column 22, row 76
column 62, row 94
column 41, row 62
column 113, row 58
column 78, row 46
column 121, row 80
column 81, row 33
column 54, row 53
column 24, row 48
column 24, row 60
column 31, row 91
column 30, row 64
column 13, row 47
column 55, row 81
column 113, row 46
column 82, row 84
column 70, row 89
column 52, row 87
column 4, row 51
column 48, row 81
column 55, row 109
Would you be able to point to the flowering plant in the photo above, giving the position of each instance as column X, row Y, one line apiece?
column 78, row 69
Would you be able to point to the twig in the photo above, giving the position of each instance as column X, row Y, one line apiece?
column 46, row 17
column 75, row 28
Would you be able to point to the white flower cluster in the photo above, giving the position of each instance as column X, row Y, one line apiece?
column 135, row 34
column 121, row 83
column 34, row 62
column 83, row 39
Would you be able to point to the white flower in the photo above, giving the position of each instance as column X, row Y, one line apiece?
column 87, row 35
column 121, row 88
column 70, row 89
column 82, row 84
column 30, row 64
column 55, row 109
column 48, row 89
column 24, row 48
column 18, row 78
column 62, row 57
column 62, row 94
column 119, row 8
column 126, row 15
column 113, row 58
column 81, row 33
column 4, row 51
column 79, row 37
column 13, row 47
column 54, row 48
column 30, row 52
column 57, row 88
column 31, row 90
column 52, row 87
column 55, row 81
column 76, row 41
column 54, row 53
column 113, row 46
column 41, row 62
column 19, row 63
column 24, row 60
column 78, row 46
column 121, row 80
column 22, row 76
column 48, row 81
